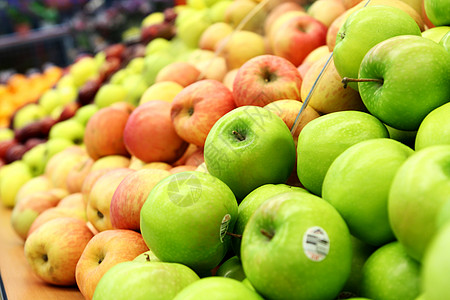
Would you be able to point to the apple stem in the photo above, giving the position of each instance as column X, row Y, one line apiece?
column 266, row 233
column 346, row 80
column 238, row 135
column 239, row 236
column 147, row 257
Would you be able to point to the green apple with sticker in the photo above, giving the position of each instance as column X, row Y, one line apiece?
column 186, row 217
column 296, row 246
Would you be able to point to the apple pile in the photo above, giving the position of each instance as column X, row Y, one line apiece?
column 182, row 169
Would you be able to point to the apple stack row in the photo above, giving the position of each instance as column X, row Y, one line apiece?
column 191, row 164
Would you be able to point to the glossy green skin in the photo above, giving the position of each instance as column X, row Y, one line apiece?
column 445, row 41
column 251, row 202
column 435, row 279
column 438, row 11
column 35, row 159
column 324, row 138
column 357, row 184
column 181, row 220
column 69, row 129
column 436, row 33
column 85, row 112
column 435, row 128
column 232, row 268
column 365, row 28
column 110, row 93
column 278, row 268
column 139, row 281
column 419, row 189
column 417, row 69
column 391, row 274
column 217, row 288
column 266, row 155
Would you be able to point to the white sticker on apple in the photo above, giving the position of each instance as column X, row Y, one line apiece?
column 224, row 226
column 316, row 243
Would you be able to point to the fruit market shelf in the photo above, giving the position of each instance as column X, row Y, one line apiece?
column 18, row 280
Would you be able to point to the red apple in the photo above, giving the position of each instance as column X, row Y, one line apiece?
column 326, row 11
column 89, row 182
column 29, row 208
column 182, row 168
column 329, row 93
column 183, row 73
column 182, row 160
column 288, row 111
column 53, row 250
column 76, row 176
column 130, row 195
column 297, row 37
column 57, row 212
column 150, row 135
column 105, row 250
column 265, row 79
column 104, row 133
column 197, row 108
column 100, row 197
column 312, row 57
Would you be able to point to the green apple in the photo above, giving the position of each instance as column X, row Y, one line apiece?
column 136, row 65
column 296, row 246
column 391, row 274
column 365, row 28
column 435, row 128
column 110, row 93
column 436, row 263
column 218, row 9
column 147, row 256
column 6, row 134
column 445, row 41
column 231, row 268
column 156, row 280
column 324, row 138
column 28, row 114
column 12, row 177
column 360, row 253
column 69, row 129
column 119, row 76
column 66, row 80
column 218, row 288
column 56, row 145
column 357, row 184
column 436, row 33
column 438, row 11
column 251, row 202
column 153, row 18
column 393, row 96
column 100, row 59
column 157, row 45
column 135, row 84
column 444, row 215
column 418, row 192
column 154, row 63
column 83, row 70
column 85, row 112
column 186, row 217
column 403, row 136
column 191, row 26
column 67, row 94
column 35, row 159
column 248, row 147
column 50, row 100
